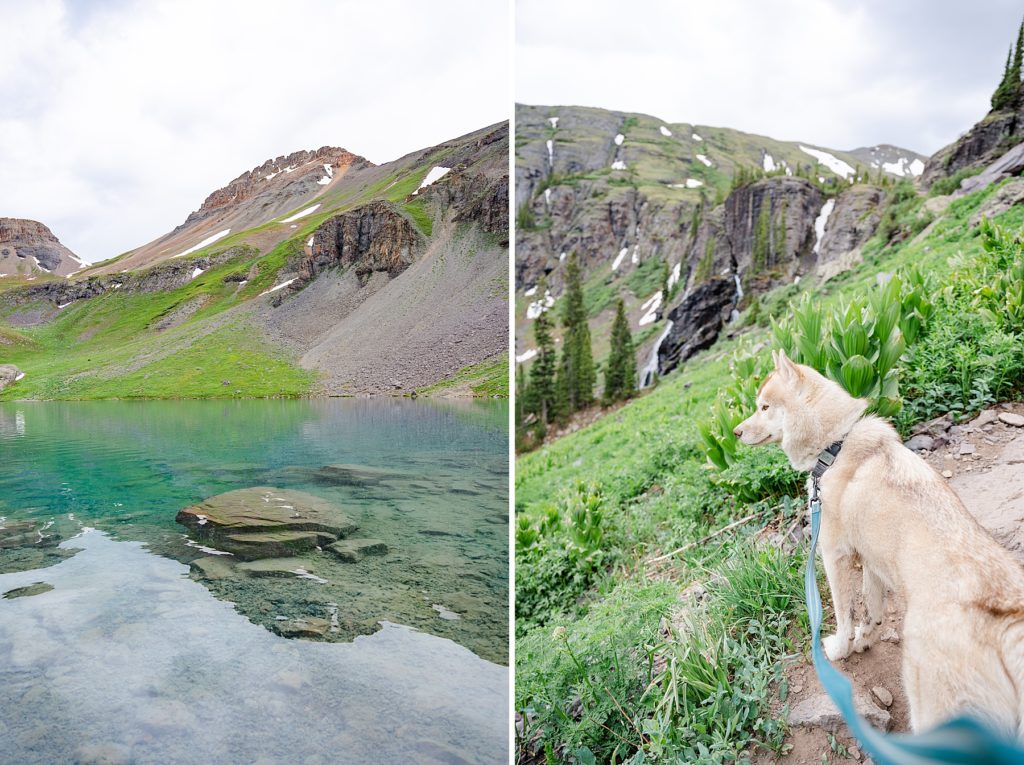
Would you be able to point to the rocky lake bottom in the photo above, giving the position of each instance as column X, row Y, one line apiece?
column 273, row 581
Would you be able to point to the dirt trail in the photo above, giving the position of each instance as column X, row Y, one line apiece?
column 984, row 462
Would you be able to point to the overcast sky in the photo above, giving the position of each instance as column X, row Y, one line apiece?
column 118, row 117
column 837, row 73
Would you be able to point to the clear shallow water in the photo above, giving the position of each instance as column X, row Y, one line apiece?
column 132, row 655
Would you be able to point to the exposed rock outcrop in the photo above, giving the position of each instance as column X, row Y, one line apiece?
column 28, row 247
column 984, row 142
column 9, row 374
column 853, row 220
column 475, row 197
column 1010, row 163
column 160, row 278
column 374, row 237
column 697, row 320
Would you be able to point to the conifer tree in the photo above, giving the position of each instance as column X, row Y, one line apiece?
column 561, row 408
column 540, row 395
column 1016, row 68
column 620, row 376
column 761, row 243
column 520, row 410
column 779, row 250
column 666, row 273
column 577, row 357
column 1005, row 93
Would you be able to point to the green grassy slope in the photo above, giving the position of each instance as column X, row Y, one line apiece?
column 112, row 346
column 615, row 661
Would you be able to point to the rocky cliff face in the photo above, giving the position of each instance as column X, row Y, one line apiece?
column 789, row 207
column 28, row 247
column 374, row 237
column 766, row 233
column 475, row 197
column 852, row 221
column 984, row 142
column 696, row 322
column 630, row 194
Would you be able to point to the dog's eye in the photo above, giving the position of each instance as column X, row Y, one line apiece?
column 764, row 407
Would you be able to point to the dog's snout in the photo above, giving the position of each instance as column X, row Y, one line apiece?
column 738, row 432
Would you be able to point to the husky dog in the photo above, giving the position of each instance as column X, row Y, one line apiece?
column 885, row 508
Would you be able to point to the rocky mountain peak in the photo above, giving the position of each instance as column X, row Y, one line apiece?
column 28, row 248
column 293, row 174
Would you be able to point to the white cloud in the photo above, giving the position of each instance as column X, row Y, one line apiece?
column 119, row 118
column 831, row 73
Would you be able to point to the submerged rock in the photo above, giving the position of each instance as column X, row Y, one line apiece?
column 214, row 567
column 285, row 567
column 355, row 475
column 266, row 522
column 309, row 627
column 36, row 588
column 354, row 550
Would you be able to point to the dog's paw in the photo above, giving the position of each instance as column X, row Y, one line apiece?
column 864, row 637
column 836, row 647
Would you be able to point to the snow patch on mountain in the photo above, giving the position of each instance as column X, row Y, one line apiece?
column 206, row 242
column 435, row 174
column 302, row 213
column 834, row 164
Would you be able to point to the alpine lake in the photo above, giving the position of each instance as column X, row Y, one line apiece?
column 292, row 582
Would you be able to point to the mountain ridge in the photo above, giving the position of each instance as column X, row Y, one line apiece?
column 291, row 287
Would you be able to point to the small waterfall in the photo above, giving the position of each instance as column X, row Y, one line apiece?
column 821, row 221
column 739, row 296
column 651, row 367
column 551, row 153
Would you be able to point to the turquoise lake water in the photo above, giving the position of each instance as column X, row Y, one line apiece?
column 133, row 657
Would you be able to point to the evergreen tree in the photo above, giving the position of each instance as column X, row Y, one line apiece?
column 577, row 356
column 761, row 243
column 779, row 250
column 561, row 408
column 520, row 410
column 1000, row 99
column 620, row 376
column 1016, row 68
column 540, row 395
column 666, row 273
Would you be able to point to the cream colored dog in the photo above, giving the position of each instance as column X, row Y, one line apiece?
column 884, row 507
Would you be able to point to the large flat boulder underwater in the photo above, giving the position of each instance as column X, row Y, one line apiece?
column 266, row 522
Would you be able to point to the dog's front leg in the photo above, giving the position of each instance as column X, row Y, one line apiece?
column 841, row 572
column 874, row 605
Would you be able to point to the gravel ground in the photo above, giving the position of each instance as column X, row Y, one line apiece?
column 446, row 311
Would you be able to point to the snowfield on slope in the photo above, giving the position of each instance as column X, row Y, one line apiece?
column 834, row 164
column 435, row 174
column 302, row 213
column 205, row 243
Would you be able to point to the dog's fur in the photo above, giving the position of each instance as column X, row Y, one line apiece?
column 882, row 506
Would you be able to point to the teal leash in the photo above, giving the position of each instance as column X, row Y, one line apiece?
column 963, row 740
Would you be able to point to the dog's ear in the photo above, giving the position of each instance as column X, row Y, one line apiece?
column 785, row 367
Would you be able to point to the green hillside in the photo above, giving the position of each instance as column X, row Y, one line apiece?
column 617, row 660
